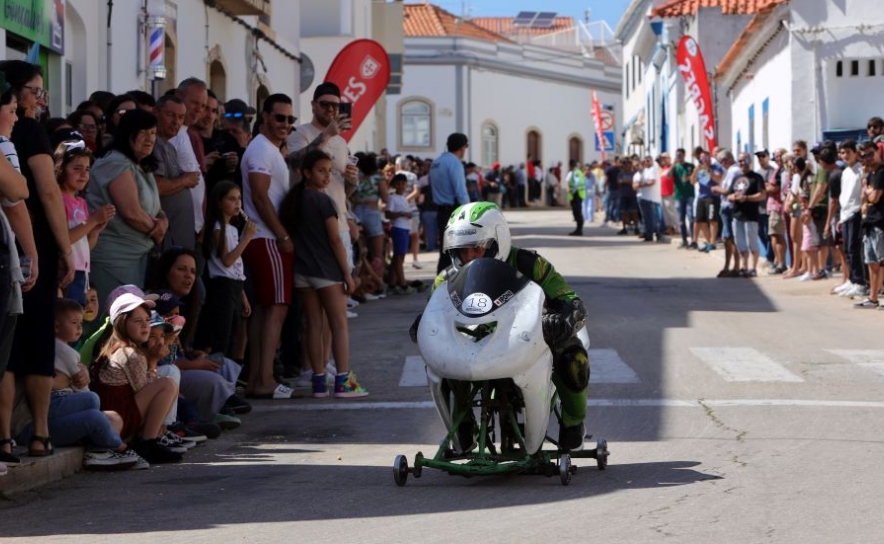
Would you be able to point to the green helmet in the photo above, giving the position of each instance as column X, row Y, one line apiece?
column 478, row 224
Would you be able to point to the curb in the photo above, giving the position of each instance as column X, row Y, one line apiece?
column 35, row 472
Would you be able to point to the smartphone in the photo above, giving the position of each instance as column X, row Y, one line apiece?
column 346, row 108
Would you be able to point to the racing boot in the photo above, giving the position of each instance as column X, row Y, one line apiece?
column 571, row 438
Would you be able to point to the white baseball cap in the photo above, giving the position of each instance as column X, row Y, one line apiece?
column 127, row 302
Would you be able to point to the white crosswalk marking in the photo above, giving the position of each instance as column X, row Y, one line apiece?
column 744, row 365
column 414, row 372
column 871, row 359
column 606, row 366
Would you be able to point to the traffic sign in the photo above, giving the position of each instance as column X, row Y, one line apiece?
column 607, row 120
column 609, row 141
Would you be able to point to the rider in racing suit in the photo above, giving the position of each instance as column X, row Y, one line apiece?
column 479, row 230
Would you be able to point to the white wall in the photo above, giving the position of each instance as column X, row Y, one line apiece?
column 436, row 85
column 768, row 81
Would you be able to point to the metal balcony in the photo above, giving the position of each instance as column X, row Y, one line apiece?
column 243, row 7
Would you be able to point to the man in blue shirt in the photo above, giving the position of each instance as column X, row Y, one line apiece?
column 449, row 185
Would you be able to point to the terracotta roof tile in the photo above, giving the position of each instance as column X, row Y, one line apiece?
column 505, row 26
column 679, row 8
column 746, row 38
column 420, row 20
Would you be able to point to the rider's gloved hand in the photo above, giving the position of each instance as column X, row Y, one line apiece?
column 565, row 319
column 412, row 332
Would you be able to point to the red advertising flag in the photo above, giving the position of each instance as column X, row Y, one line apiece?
column 597, row 119
column 693, row 70
column 362, row 71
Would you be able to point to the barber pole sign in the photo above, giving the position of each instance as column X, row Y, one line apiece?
column 156, row 51
column 693, row 70
column 362, row 72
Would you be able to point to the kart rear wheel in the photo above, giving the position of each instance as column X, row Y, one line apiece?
column 602, row 453
column 400, row 470
column 565, row 468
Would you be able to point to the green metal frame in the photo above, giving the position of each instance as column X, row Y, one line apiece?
column 486, row 459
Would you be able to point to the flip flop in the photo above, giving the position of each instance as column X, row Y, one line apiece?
column 281, row 392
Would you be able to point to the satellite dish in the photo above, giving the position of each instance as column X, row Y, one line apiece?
column 308, row 72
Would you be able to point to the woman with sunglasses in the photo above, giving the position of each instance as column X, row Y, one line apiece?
column 86, row 122
column 117, row 108
column 33, row 347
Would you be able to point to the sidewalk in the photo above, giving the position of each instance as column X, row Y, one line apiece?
column 36, row 472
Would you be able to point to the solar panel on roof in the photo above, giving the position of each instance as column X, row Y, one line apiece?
column 525, row 18
column 544, row 19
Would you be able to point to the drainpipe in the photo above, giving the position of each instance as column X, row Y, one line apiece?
column 110, row 10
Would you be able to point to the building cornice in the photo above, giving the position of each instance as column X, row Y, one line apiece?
column 519, row 60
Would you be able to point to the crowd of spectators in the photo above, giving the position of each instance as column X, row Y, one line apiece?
column 808, row 213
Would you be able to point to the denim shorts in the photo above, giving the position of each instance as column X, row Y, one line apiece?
column 727, row 219
column 370, row 219
column 873, row 245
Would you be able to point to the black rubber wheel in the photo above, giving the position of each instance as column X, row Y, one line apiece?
column 418, row 468
column 602, row 453
column 400, row 470
column 565, row 468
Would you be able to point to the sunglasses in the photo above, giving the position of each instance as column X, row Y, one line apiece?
column 280, row 118
column 868, row 155
column 39, row 92
column 326, row 104
column 234, row 115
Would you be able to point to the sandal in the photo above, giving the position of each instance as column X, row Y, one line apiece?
column 45, row 451
column 6, row 457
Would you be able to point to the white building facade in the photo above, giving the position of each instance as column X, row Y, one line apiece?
column 510, row 100
column 241, row 48
column 809, row 70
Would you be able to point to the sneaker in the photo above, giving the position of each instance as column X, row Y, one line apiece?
column 330, row 368
column 683, row 245
column 175, row 443
column 398, row 291
column 371, row 296
column 346, row 386
column 837, row 290
column 806, row 277
column 351, row 303
column 140, row 463
column 237, row 405
column 779, row 270
column 106, row 460
column 186, row 433
column 852, row 291
column 866, row 304
column 380, row 293
column 320, row 386
column 693, row 245
column 621, row 232
column 210, row 430
column 351, row 315
column 155, row 453
column 227, row 423
column 571, row 438
column 820, row 275
column 304, row 379
column 417, row 265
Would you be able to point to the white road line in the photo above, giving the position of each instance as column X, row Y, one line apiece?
column 414, row 373
column 606, row 366
column 871, row 359
column 355, row 405
column 744, row 365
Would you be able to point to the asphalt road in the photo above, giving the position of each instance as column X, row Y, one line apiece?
column 735, row 411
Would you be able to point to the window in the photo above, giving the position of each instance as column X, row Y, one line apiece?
column 839, row 69
column 854, row 67
column 872, row 67
column 416, row 120
column 489, row 144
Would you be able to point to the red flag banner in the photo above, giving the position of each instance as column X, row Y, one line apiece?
column 693, row 70
column 362, row 71
column 597, row 119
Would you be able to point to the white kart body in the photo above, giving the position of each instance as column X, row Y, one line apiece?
column 516, row 350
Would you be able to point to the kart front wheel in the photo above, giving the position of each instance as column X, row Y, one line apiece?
column 400, row 470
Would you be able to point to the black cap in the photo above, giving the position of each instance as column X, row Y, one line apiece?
column 762, row 153
column 326, row 88
column 456, row 141
column 237, row 106
column 817, row 148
